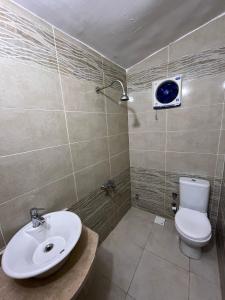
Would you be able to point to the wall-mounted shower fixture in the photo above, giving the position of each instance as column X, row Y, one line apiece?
column 124, row 96
column 109, row 186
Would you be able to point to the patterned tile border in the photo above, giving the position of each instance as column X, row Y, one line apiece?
column 204, row 64
column 220, row 237
column 29, row 42
column 102, row 212
column 152, row 191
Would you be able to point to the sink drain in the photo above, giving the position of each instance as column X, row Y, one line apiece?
column 48, row 247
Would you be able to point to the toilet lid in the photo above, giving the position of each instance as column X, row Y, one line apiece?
column 193, row 224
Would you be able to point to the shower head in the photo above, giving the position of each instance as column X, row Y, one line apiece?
column 124, row 96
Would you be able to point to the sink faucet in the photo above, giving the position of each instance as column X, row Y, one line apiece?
column 36, row 218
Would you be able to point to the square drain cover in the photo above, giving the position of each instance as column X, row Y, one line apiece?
column 160, row 220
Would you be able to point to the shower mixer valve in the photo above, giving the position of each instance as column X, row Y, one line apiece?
column 109, row 186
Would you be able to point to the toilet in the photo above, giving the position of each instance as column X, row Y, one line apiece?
column 191, row 221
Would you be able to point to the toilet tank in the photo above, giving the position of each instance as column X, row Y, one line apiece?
column 194, row 193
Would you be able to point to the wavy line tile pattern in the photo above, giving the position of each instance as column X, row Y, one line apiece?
column 204, row 64
column 29, row 42
column 76, row 61
column 25, row 40
column 152, row 191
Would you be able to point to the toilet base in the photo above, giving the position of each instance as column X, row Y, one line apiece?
column 189, row 251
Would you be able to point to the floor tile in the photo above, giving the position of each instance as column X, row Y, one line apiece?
column 117, row 259
column 135, row 227
column 164, row 242
column 101, row 288
column 138, row 213
column 207, row 266
column 158, row 279
column 202, row 289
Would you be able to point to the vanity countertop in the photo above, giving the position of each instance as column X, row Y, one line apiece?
column 62, row 285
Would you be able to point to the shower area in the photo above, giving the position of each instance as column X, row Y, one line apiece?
column 80, row 130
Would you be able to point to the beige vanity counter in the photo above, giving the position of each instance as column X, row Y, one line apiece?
column 63, row 284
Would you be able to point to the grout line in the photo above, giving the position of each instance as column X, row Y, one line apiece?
column 36, row 189
column 189, row 279
column 138, row 263
column 166, row 128
column 119, row 153
column 30, row 109
column 34, row 150
column 61, row 110
column 1, row 232
column 85, row 112
column 101, row 161
column 63, row 102
column 163, row 258
column 91, row 166
column 178, row 108
column 217, row 159
column 56, row 146
column 179, row 152
column 107, row 126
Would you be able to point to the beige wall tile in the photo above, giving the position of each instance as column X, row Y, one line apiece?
column 193, row 141
column 141, row 101
column 223, row 121
column 24, row 172
column 117, row 123
column 210, row 36
column 206, row 91
column 19, row 91
column 202, row 118
column 23, row 130
column 220, row 166
column 92, row 178
column 113, row 103
column 118, row 143
column 85, row 126
column 55, row 196
column 2, row 242
column 21, row 12
column 160, row 57
column 147, row 121
column 80, row 95
column 191, row 163
column 112, row 71
column 147, row 159
column 119, row 163
column 222, row 142
column 148, row 140
column 141, row 75
column 89, row 153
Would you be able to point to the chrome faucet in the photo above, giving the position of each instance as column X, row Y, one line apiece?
column 36, row 218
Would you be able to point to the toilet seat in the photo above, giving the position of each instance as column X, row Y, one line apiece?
column 193, row 225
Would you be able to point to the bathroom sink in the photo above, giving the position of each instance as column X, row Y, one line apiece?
column 38, row 251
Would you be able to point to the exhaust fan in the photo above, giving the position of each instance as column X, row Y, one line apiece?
column 167, row 92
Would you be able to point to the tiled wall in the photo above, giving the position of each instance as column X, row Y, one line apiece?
column 60, row 141
column 221, row 237
column 188, row 140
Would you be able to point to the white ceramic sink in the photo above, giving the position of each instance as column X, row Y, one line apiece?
column 36, row 251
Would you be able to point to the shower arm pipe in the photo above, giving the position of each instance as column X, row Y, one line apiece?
column 98, row 89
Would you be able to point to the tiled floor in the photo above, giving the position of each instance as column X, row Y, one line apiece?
column 141, row 260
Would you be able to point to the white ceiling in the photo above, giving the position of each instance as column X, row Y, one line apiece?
column 126, row 31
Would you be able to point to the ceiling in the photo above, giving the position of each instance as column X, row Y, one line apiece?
column 126, row 31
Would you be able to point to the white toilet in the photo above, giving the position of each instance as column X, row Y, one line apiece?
column 191, row 220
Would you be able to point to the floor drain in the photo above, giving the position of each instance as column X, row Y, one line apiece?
column 48, row 247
